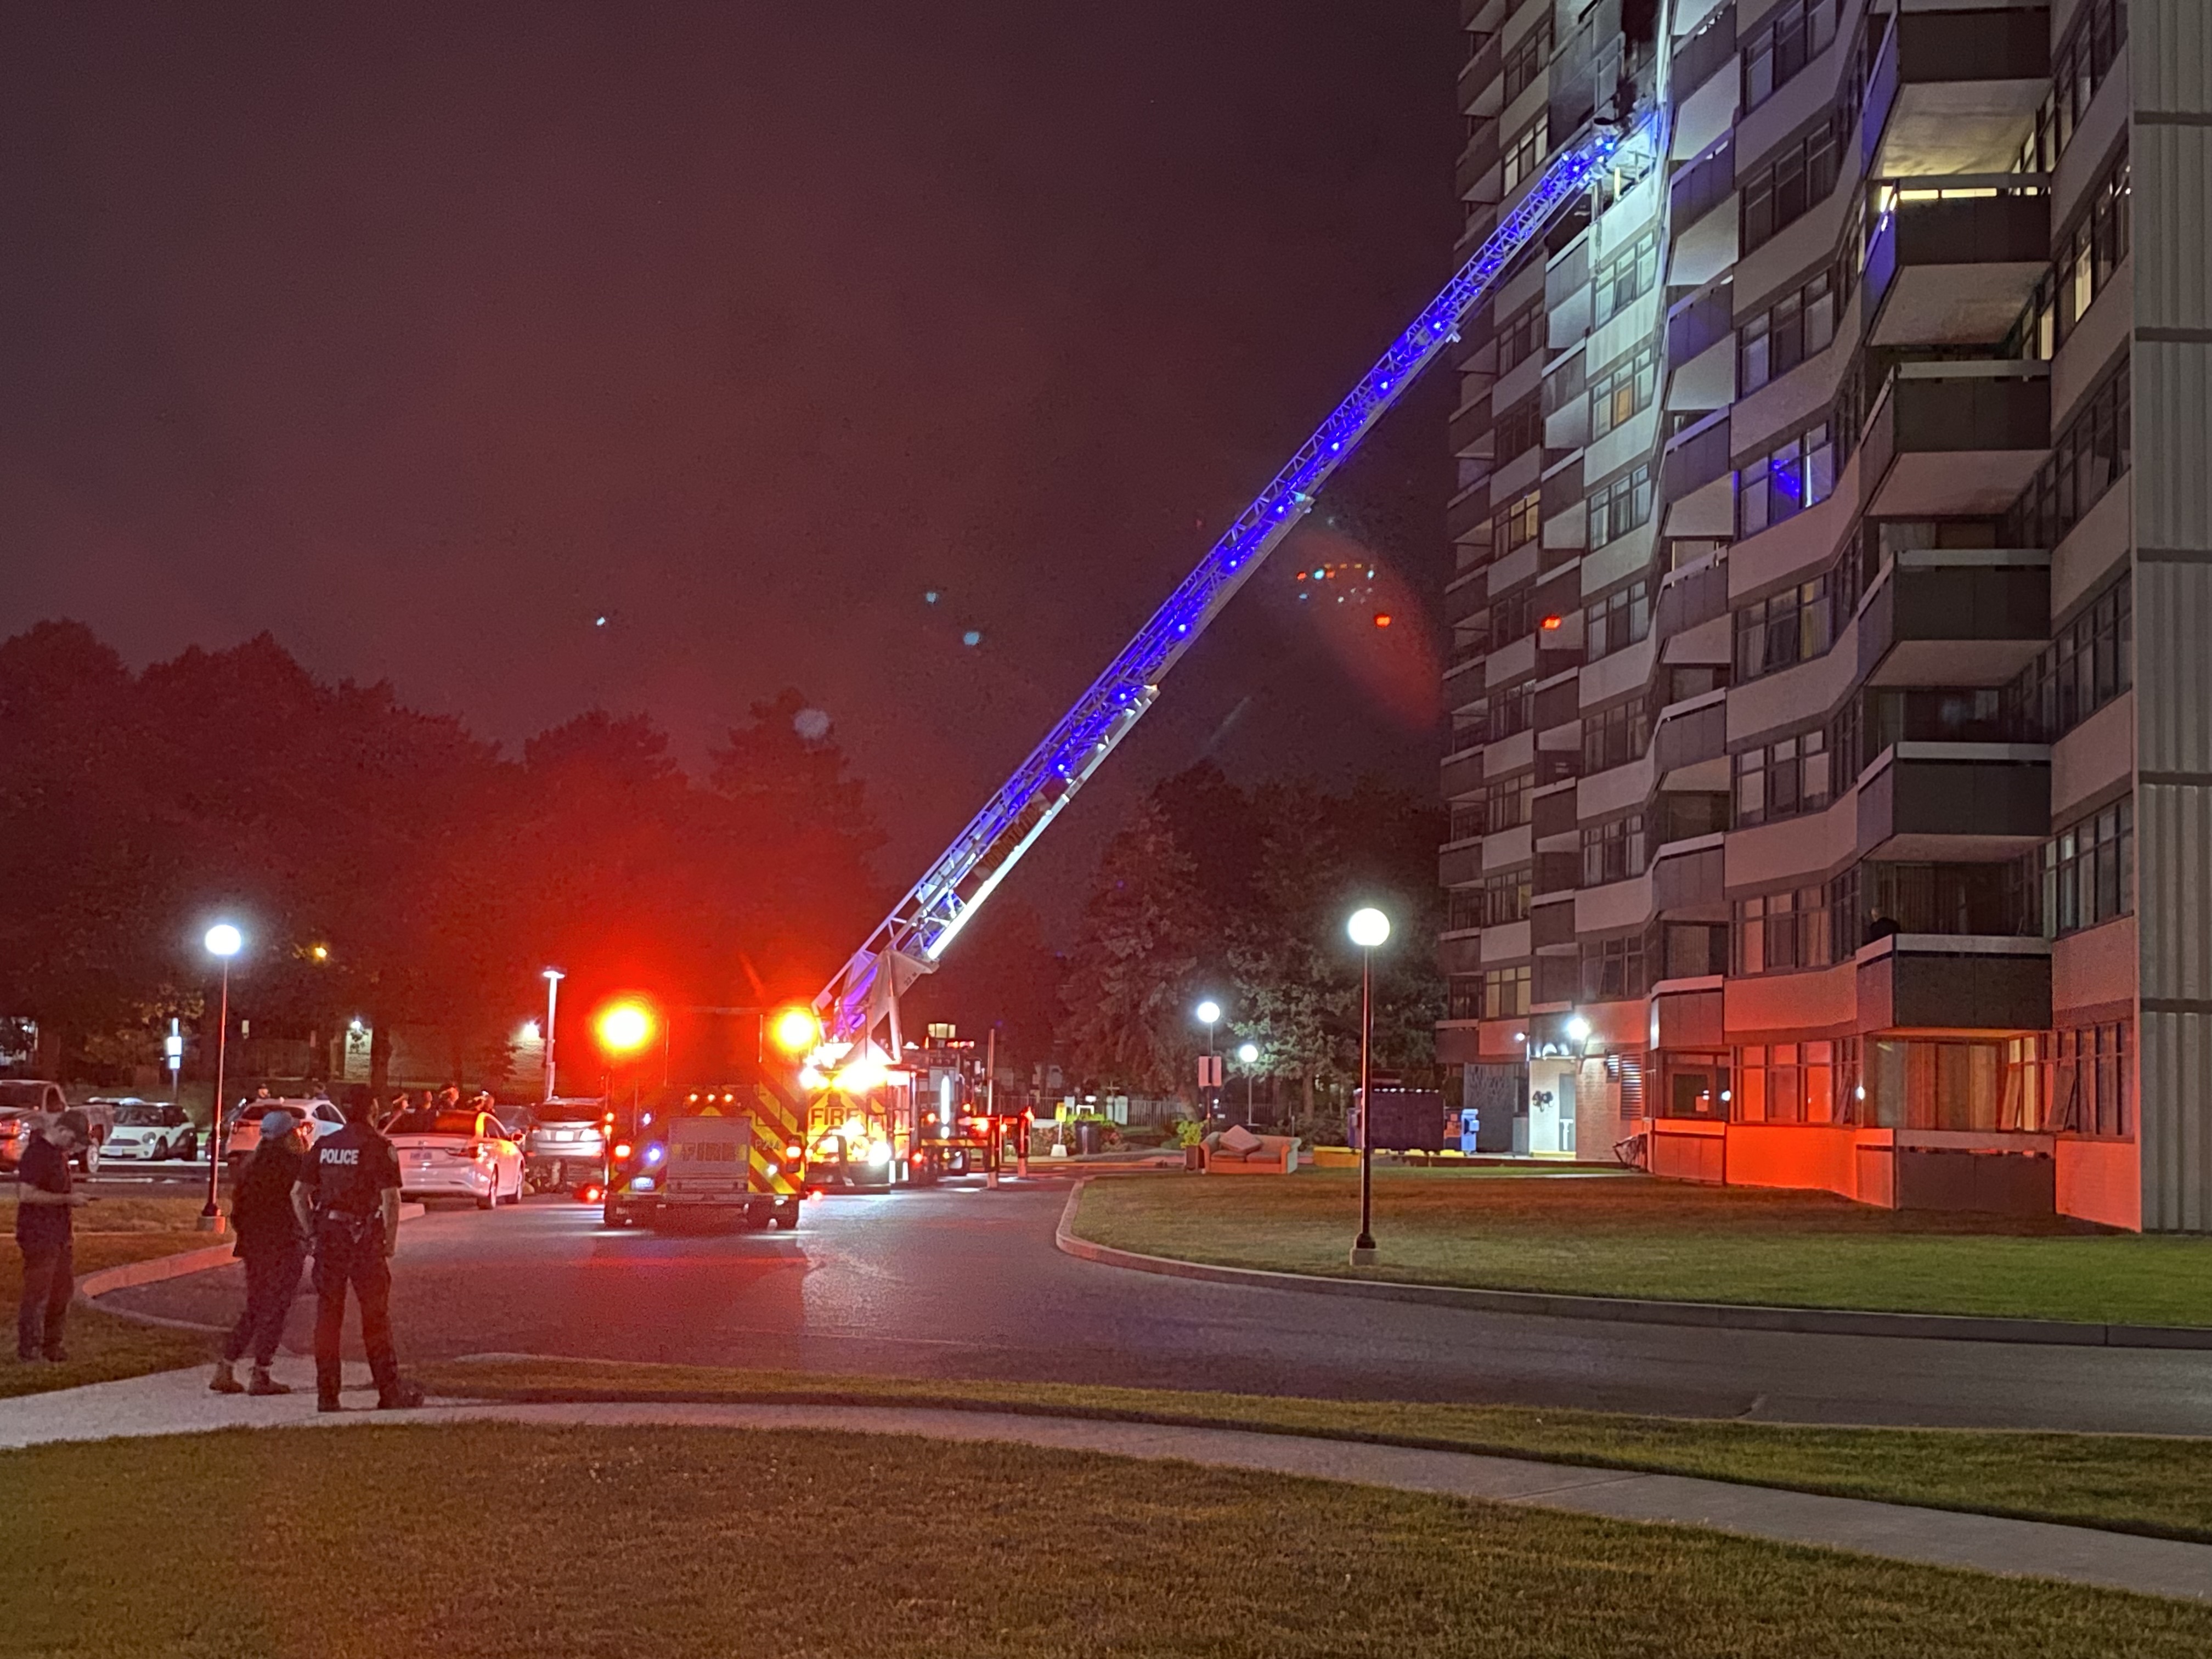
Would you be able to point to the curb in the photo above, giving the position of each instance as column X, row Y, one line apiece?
column 1710, row 1316
column 155, row 1268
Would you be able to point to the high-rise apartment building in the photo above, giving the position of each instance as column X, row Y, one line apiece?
column 1831, row 782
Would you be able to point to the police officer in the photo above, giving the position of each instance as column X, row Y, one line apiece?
column 349, row 1197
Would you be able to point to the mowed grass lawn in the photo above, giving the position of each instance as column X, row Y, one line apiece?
column 485, row 1539
column 1634, row 1235
column 110, row 1231
column 2129, row 1483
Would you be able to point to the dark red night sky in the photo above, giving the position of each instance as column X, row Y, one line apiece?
column 423, row 337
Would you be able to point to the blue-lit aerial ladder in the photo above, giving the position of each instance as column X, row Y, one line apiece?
column 915, row 935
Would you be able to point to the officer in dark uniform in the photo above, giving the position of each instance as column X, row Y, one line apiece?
column 348, row 1196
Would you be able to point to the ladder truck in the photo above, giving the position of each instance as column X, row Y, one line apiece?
column 857, row 1010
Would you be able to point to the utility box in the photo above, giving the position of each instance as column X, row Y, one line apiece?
column 1406, row 1119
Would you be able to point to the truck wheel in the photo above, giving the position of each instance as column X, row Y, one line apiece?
column 612, row 1216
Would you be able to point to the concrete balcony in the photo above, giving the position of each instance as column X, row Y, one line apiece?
column 1946, row 268
column 1955, row 617
column 1954, row 439
column 1460, row 952
column 1955, row 802
column 1462, row 773
column 1460, row 863
column 1954, row 982
column 1956, row 91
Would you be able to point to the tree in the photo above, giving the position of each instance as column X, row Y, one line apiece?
column 1135, row 960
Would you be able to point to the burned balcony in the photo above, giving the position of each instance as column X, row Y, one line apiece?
column 1956, row 92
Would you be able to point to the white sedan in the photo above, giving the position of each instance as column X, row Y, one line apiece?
column 456, row 1153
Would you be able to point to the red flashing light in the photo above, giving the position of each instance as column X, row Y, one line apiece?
column 1552, row 623
column 1381, row 619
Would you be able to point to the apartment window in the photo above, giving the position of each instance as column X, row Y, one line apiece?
column 2093, row 44
column 2089, row 662
column 1795, row 181
column 1777, row 931
column 1612, row 968
column 1519, row 336
column 1613, row 851
column 1511, row 707
column 1517, row 523
column 1505, row 896
column 1510, row 617
column 1468, row 820
column 1798, row 325
column 1505, row 993
column 1799, row 31
column 1874, row 899
column 1463, row 909
column 1526, row 61
column 1520, row 428
column 1798, row 473
column 1505, row 803
column 1624, row 277
column 2087, row 256
column 1782, row 779
column 1620, row 506
column 1793, row 626
column 2089, row 1081
column 1623, row 391
column 1790, row 1083
column 1619, row 620
column 1525, row 153
column 1615, row 736
column 2087, row 872
column 2089, row 456
column 2002, row 1086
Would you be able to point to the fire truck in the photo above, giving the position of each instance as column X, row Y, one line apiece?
column 872, row 1125
column 723, row 1139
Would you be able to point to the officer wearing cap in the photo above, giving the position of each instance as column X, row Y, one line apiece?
column 348, row 1196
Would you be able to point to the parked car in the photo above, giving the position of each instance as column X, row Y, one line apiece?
column 456, row 1152
column 319, row 1116
column 26, row 1100
column 148, row 1129
column 567, row 1146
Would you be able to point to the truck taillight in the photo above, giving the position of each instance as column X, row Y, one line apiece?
column 621, row 1149
column 794, row 1151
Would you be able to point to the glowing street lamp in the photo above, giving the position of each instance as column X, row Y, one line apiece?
column 1248, row 1056
column 224, row 942
column 1208, row 1014
column 1368, row 928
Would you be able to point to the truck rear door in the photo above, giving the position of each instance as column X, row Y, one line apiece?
column 709, row 1160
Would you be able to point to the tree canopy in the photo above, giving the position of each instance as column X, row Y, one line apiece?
column 387, row 864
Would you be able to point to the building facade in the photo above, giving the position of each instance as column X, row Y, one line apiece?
column 1831, row 775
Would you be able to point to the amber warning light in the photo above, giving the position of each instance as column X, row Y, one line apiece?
column 795, row 1030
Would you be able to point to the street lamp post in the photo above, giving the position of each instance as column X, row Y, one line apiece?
column 1367, row 928
column 553, row 978
column 1209, row 1015
column 1248, row 1056
column 224, row 942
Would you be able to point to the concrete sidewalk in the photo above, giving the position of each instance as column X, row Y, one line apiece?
column 179, row 1402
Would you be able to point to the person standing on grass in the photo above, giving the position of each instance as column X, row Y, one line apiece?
column 274, row 1247
column 348, row 1199
column 44, row 1232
